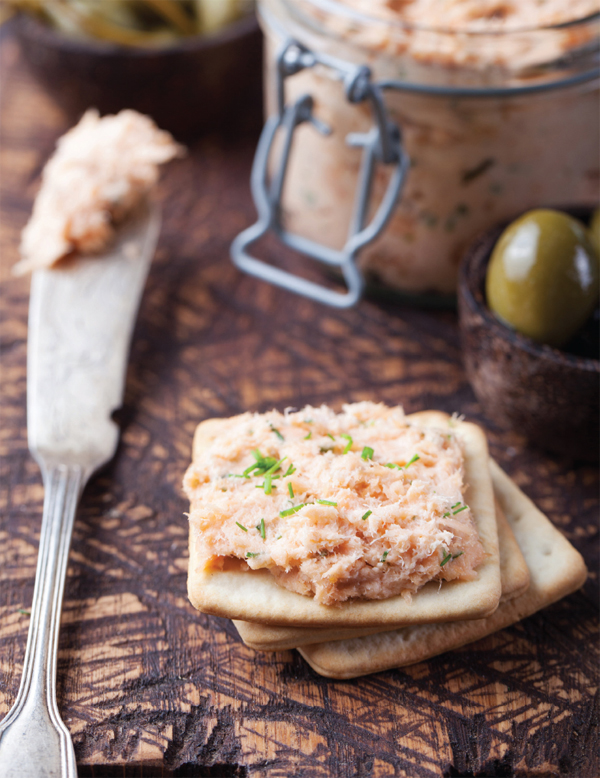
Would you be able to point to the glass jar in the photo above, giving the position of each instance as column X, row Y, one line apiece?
column 495, row 120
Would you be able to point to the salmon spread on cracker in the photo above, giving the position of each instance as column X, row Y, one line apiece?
column 360, row 504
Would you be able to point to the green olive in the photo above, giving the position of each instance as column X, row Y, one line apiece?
column 594, row 231
column 542, row 279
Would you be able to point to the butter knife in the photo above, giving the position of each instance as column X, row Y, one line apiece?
column 81, row 316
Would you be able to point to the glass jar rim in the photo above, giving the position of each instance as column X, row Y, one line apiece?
column 337, row 7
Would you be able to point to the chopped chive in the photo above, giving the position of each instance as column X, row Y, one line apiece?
column 291, row 491
column 366, row 515
column 367, row 453
column 223, row 489
column 326, row 502
column 309, row 436
column 274, row 467
column 393, row 466
column 447, row 558
column 446, row 515
column 250, row 554
column 384, row 557
column 278, row 537
column 261, row 528
column 268, row 485
column 329, row 435
column 24, row 612
column 263, row 465
column 289, row 511
column 456, row 504
column 241, row 526
column 291, row 469
column 308, row 421
column 236, row 475
column 276, row 431
column 414, row 459
column 348, row 445
column 325, row 449
column 455, row 556
column 464, row 508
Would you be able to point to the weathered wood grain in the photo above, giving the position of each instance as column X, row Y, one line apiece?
column 148, row 685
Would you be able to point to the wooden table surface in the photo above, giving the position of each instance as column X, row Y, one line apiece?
column 150, row 687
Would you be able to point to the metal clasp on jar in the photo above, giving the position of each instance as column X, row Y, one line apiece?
column 381, row 144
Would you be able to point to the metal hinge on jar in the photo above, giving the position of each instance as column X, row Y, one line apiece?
column 381, row 145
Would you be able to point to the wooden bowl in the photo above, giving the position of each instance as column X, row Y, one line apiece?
column 199, row 84
column 550, row 396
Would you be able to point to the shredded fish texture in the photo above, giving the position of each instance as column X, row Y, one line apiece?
column 101, row 170
column 361, row 504
column 478, row 15
column 485, row 40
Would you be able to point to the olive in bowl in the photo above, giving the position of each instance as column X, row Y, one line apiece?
column 542, row 278
column 549, row 394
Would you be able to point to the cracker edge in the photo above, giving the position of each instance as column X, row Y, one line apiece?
column 539, row 540
column 514, row 576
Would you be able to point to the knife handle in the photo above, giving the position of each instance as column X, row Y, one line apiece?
column 34, row 741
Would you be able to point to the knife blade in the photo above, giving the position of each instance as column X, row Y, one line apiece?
column 81, row 317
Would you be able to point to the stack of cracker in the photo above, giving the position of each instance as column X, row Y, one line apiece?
column 528, row 565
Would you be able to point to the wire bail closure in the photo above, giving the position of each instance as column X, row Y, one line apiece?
column 381, row 144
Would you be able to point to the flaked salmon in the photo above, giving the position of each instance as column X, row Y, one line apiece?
column 101, row 170
column 360, row 504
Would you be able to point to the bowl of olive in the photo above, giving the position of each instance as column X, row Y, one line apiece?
column 529, row 320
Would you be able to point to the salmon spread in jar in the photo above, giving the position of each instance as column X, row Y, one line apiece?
column 496, row 100
column 361, row 504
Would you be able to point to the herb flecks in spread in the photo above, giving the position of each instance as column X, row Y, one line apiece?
column 343, row 523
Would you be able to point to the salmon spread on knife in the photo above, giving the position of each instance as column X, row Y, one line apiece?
column 360, row 504
column 101, row 170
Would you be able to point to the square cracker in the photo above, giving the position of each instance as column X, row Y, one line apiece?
column 514, row 576
column 254, row 595
column 556, row 569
